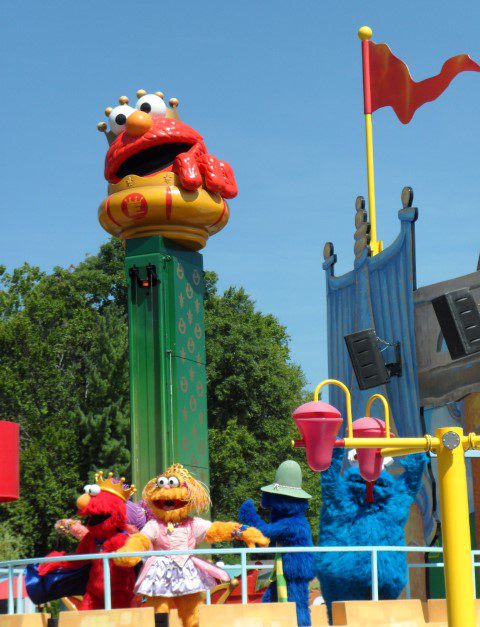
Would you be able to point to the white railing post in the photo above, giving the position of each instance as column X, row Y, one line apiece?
column 20, row 592
column 474, row 577
column 243, row 557
column 11, row 606
column 374, row 575
column 106, row 584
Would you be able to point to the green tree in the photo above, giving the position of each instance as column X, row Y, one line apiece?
column 64, row 364
column 253, row 387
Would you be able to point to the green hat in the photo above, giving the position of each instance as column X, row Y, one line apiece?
column 288, row 481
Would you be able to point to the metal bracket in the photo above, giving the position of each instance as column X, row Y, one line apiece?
column 395, row 368
column 150, row 281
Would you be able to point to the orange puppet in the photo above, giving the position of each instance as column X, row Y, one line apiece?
column 180, row 580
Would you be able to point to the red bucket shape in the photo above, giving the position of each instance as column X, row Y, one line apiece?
column 319, row 424
column 9, row 461
column 370, row 462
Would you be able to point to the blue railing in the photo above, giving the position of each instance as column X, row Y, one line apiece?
column 14, row 568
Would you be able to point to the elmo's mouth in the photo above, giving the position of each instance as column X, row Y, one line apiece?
column 169, row 505
column 151, row 160
column 96, row 519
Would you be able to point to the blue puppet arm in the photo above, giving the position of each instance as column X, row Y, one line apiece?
column 333, row 483
column 411, row 478
column 248, row 515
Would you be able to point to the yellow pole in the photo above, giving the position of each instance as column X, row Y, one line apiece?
column 376, row 246
column 455, row 528
column 365, row 33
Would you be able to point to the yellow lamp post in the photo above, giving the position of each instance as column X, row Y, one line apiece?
column 449, row 444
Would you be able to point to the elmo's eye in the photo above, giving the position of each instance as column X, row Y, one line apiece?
column 93, row 490
column 162, row 482
column 118, row 118
column 174, row 482
column 152, row 104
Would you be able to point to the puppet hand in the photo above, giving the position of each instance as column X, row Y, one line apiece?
column 247, row 514
column 137, row 542
column 48, row 567
column 252, row 536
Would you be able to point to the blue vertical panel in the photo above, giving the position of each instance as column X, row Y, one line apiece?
column 378, row 293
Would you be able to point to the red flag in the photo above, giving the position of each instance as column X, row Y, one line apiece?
column 387, row 81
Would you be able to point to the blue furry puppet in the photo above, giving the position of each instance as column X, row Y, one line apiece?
column 287, row 503
column 347, row 519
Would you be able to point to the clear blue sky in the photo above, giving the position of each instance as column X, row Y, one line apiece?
column 275, row 88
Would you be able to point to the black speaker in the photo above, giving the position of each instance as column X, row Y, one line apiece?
column 367, row 360
column 459, row 320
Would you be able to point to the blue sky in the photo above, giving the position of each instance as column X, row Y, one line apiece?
column 275, row 89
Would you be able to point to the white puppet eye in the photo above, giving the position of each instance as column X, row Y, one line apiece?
column 152, row 104
column 162, row 482
column 118, row 118
column 93, row 489
column 173, row 482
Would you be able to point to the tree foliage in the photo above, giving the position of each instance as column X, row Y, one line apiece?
column 64, row 365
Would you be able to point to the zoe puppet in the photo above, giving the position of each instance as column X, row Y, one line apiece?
column 103, row 505
column 180, row 580
column 289, row 526
column 348, row 519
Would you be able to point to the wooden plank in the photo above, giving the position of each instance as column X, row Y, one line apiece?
column 24, row 620
column 405, row 612
column 129, row 617
column 319, row 615
column 252, row 615
column 437, row 611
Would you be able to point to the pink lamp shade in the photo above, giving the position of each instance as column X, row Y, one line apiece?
column 9, row 461
column 369, row 460
column 319, row 424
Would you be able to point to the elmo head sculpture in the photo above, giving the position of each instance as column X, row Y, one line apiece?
column 162, row 180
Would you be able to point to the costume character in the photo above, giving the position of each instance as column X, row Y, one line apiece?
column 180, row 579
column 347, row 519
column 103, row 505
column 137, row 516
column 289, row 526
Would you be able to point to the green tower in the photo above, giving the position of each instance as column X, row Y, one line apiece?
column 166, row 197
column 167, row 358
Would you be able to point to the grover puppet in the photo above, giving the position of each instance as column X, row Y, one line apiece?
column 347, row 519
column 289, row 526
column 103, row 504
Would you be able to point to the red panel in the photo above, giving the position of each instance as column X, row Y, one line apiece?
column 9, row 461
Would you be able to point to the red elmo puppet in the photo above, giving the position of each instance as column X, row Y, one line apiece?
column 104, row 507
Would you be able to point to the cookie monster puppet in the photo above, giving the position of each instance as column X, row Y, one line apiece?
column 289, row 526
column 347, row 519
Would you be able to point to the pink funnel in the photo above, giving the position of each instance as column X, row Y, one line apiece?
column 369, row 460
column 319, row 424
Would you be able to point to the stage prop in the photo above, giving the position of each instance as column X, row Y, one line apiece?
column 449, row 444
column 166, row 197
column 9, row 461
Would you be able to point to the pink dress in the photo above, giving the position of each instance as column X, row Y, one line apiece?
column 176, row 575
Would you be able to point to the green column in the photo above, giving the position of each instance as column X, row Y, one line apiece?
column 167, row 358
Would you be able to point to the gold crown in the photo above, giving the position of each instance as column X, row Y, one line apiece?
column 178, row 470
column 107, row 485
column 171, row 113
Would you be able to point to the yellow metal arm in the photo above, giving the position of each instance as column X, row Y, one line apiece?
column 343, row 387
column 386, row 410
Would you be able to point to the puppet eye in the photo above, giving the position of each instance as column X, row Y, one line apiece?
column 173, row 482
column 162, row 482
column 93, row 489
column 118, row 118
column 152, row 104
